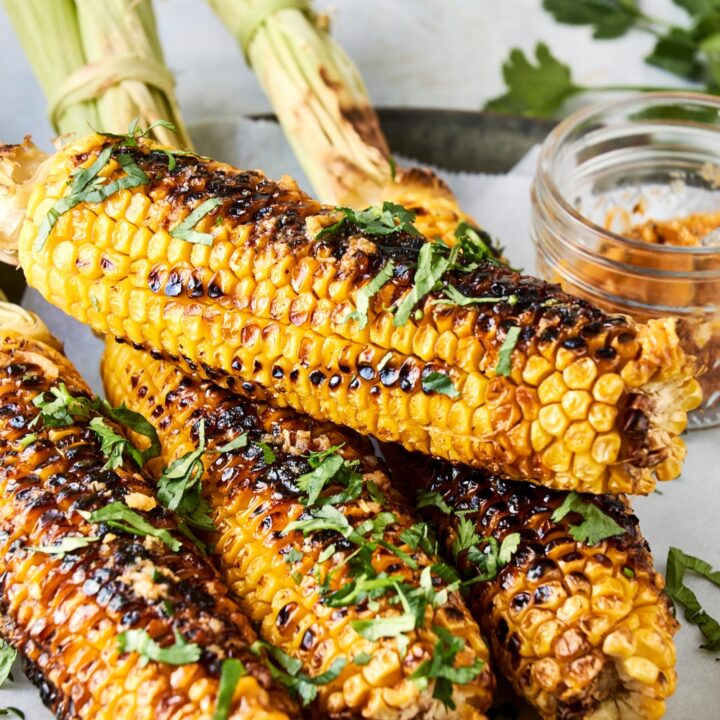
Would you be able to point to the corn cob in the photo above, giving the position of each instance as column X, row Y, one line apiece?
column 70, row 587
column 580, row 630
column 253, row 503
column 586, row 401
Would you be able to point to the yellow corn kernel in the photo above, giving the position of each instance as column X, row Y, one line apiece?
column 580, row 374
column 539, row 437
column 536, row 369
column 602, row 417
column 640, row 669
column 579, row 436
column 552, row 389
column 575, row 404
column 557, row 457
column 606, row 447
column 608, row 388
column 553, row 419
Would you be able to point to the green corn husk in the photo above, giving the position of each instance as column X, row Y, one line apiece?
column 63, row 37
column 320, row 99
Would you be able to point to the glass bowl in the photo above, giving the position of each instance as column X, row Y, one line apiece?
column 611, row 183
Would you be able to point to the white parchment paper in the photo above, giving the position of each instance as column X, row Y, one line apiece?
column 685, row 515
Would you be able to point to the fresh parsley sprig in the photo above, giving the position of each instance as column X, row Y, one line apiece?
column 595, row 527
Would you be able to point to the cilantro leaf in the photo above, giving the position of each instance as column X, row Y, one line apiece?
column 504, row 364
column 432, row 498
column 362, row 658
column 7, row 658
column 476, row 247
column 360, row 589
column 236, row 443
column 508, row 547
column 386, row 220
column 289, row 671
column 186, row 229
column 384, row 627
column 437, row 382
column 269, row 455
column 113, row 445
column 433, row 261
column 293, row 555
column 367, row 292
column 455, row 297
column 596, row 525
column 678, row 563
column 230, row 673
column 324, row 518
column 440, row 667
column 467, row 537
column 420, row 535
column 313, row 482
column 139, row 641
column 66, row 545
column 534, row 90
column 180, row 488
column 609, row 18
column 119, row 516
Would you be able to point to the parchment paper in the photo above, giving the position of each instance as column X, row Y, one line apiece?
column 686, row 515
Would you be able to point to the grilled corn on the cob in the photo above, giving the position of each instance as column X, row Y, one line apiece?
column 288, row 583
column 582, row 631
column 494, row 369
column 71, row 587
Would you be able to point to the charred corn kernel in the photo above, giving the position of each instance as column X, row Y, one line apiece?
column 265, row 271
column 285, row 597
column 562, row 616
column 70, row 635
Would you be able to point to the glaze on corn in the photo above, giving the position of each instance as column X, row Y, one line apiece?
column 253, row 503
column 581, row 631
column 64, row 613
column 590, row 402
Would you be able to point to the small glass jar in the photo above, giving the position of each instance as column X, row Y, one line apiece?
column 607, row 171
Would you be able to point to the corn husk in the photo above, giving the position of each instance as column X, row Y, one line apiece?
column 96, row 44
column 320, row 99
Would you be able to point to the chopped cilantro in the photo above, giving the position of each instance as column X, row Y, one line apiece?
column 386, row 358
column 362, row 658
column 628, row 572
column 608, row 18
column 324, row 518
column 327, row 553
column 504, row 364
column 288, row 673
column 376, row 493
column 367, row 292
column 437, row 382
column 28, row 440
column 386, row 220
column 119, row 516
column 293, row 555
column 596, row 525
column 180, row 487
column 384, row 627
column 66, row 545
column 63, row 409
column 475, row 247
column 420, row 535
column 455, row 297
column 185, row 230
column 269, row 456
column 433, row 261
column 485, row 553
column 432, row 498
column 236, row 443
column 112, row 445
column 139, row 641
column 440, row 667
column 313, row 482
column 360, row 589
column 678, row 563
column 230, row 673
